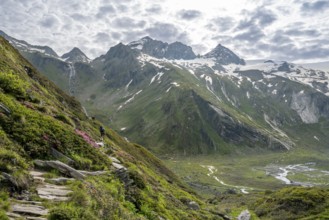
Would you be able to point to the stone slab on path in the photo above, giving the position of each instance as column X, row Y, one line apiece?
column 35, row 210
column 53, row 192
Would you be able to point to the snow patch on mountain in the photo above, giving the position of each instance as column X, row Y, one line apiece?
column 129, row 100
column 127, row 86
column 156, row 77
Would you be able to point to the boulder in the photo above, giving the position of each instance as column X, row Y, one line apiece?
column 115, row 160
column 193, row 205
column 244, row 215
column 61, row 167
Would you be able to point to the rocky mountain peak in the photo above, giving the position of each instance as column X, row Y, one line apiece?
column 159, row 49
column 119, row 51
column 224, row 56
column 75, row 55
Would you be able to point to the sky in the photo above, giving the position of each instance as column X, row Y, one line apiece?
column 290, row 30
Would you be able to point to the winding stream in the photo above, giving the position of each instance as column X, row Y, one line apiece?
column 211, row 173
column 281, row 173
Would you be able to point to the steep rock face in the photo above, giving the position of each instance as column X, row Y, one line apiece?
column 160, row 49
column 310, row 107
column 285, row 67
column 75, row 55
column 236, row 132
column 120, row 65
column 224, row 56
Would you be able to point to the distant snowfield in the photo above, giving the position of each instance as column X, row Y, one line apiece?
column 315, row 75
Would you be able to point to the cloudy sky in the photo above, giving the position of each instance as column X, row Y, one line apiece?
column 292, row 30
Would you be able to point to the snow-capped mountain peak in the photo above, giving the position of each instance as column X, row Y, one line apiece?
column 224, row 56
column 139, row 44
column 75, row 55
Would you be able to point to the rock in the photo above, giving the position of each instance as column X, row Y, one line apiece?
column 19, row 185
column 58, row 155
column 193, row 205
column 123, row 175
column 37, row 176
column 118, row 166
column 244, row 215
column 35, row 218
column 29, row 209
column 100, row 144
column 115, row 160
column 29, row 202
column 62, row 167
column 61, row 180
column 94, row 173
column 53, row 192
column 13, row 215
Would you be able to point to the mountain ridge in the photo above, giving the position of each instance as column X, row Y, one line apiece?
column 118, row 88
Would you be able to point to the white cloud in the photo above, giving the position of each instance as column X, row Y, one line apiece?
column 253, row 29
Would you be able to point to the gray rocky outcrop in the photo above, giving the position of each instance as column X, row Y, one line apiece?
column 61, row 167
column 244, row 215
column 193, row 205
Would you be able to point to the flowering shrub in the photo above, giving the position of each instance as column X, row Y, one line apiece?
column 86, row 137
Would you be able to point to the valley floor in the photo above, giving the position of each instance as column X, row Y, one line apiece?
column 215, row 174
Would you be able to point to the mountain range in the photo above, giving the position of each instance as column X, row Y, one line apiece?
column 168, row 99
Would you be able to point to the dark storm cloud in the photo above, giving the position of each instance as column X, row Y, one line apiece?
column 163, row 31
column 133, row 35
column 49, row 22
column 299, row 32
column 265, row 17
column 189, row 14
column 105, row 11
column 280, row 38
column 260, row 17
column 154, row 9
column 80, row 17
column 166, row 32
column 102, row 37
column 126, row 22
column 252, row 35
column 315, row 6
column 116, row 35
column 222, row 24
column 290, row 52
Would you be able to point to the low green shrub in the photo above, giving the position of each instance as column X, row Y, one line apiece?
column 65, row 119
column 81, row 162
column 293, row 203
column 11, row 161
column 13, row 84
column 63, row 213
column 3, row 215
